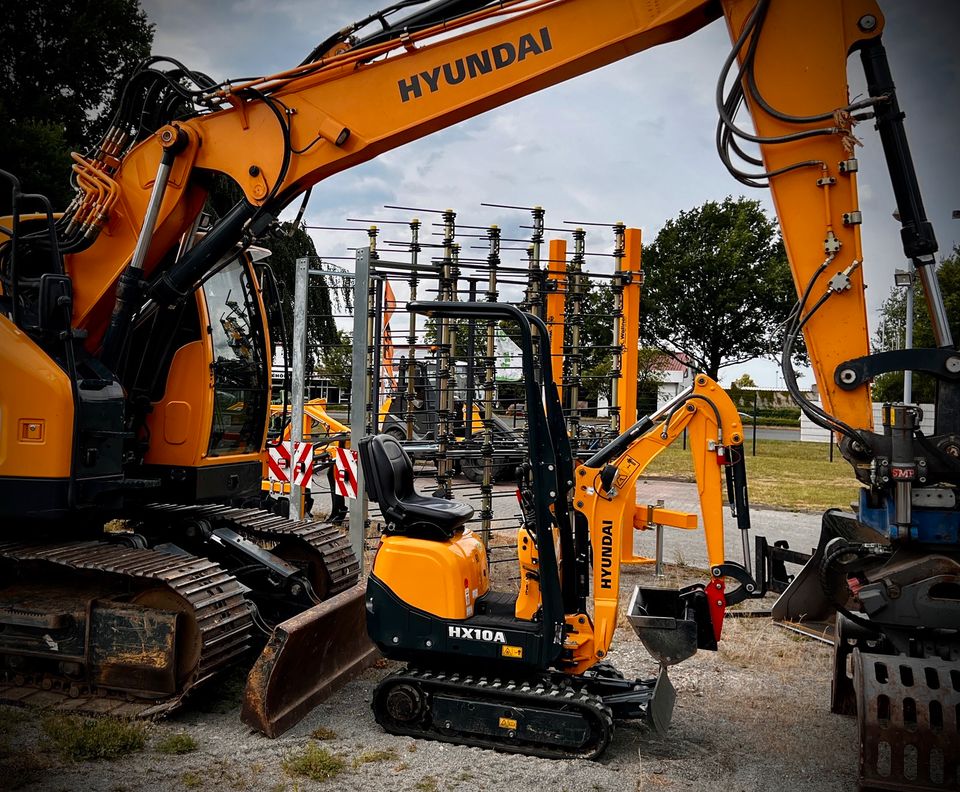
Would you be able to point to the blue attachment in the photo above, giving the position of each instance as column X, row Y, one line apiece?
column 930, row 526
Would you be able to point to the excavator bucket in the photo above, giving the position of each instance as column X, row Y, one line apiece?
column 671, row 623
column 306, row 659
column 805, row 607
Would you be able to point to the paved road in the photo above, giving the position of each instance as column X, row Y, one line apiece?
column 770, row 432
column 801, row 530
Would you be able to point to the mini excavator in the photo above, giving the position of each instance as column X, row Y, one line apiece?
column 527, row 673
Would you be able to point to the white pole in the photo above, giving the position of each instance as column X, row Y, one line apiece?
column 300, row 284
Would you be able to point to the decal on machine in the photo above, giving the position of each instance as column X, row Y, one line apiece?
column 475, row 64
column 606, row 554
column 476, row 634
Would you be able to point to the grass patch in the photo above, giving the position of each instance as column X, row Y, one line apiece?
column 785, row 474
column 177, row 744
column 369, row 757
column 427, row 784
column 314, row 762
column 191, row 780
column 323, row 733
column 86, row 739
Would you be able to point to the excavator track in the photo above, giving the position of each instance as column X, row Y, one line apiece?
column 541, row 716
column 335, row 567
column 213, row 626
column 133, row 629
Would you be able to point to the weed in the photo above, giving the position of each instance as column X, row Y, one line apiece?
column 314, row 762
column 323, row 733
column 412, row 747
column 83, row 739
column 465, row 775
column 427, row 784
column 191, row 780
column 180, row 743
column 399, row 768
column 369, row 757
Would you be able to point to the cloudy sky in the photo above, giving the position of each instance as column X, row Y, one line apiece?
column 632, row 142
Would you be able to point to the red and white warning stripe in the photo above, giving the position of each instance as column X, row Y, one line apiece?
column 278, row 462
column 303, row 463
column 280, row 469
column 345, row 472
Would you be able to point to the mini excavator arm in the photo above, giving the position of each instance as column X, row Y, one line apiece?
column 605, row 496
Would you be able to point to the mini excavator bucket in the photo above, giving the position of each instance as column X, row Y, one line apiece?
column 307, row 658
column 672, row 623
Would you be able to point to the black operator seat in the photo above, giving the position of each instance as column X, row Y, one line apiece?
column 388, row 474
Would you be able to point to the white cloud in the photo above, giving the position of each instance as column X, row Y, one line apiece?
column 631, row 142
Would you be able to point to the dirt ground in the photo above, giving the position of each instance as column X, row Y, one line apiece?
column 752, row 716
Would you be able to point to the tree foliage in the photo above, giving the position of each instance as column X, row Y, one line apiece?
column 891, row 330
column 717, row 285
column 336, row 362
column 287, row 243
column 596, row 337
column 61, row 68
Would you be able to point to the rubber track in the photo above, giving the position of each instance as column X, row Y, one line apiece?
column 336, row 555
column 541, row 692
column 221, row 611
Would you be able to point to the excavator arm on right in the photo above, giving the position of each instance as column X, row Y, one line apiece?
column 891, row 571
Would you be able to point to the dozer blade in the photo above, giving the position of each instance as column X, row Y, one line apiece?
column 660, row 709
column 306, row 659
column 804, row 607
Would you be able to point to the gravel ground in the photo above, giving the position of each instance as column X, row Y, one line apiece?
column 752, row 716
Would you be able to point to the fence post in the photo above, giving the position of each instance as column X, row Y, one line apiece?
column 358, row 397
column 300, row 287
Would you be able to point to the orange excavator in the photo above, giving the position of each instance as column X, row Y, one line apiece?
column 135, row 347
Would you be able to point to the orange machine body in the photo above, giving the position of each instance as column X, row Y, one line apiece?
column 442, row 578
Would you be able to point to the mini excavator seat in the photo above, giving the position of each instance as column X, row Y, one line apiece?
column 388, row 473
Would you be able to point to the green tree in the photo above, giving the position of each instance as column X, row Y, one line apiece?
column 326, row 295
column 336, row 362
column 891, row 330
column 287, row 242
column 717, row 285
column 62, row 65
column 650, row 371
